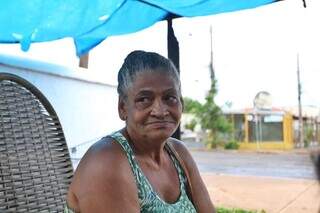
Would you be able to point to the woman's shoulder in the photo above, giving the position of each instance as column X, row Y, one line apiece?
column 103, row 151
column 100, row 161
column 178, row 145
column 182, row 151
column 101, row 175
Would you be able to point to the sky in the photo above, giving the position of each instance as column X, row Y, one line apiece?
column 253, row 50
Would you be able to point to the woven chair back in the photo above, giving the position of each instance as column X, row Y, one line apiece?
column 35, row 165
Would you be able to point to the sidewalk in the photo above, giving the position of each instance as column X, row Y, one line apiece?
column 270, row 194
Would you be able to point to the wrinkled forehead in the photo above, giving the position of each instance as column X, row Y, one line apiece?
column 151, row 78
column 132, row 77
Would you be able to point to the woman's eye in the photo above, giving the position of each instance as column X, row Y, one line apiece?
column 172, row 99
column 143, row 102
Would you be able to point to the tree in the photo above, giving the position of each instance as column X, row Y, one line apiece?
column 210, row 117
column 190, row 105
column 209, row 114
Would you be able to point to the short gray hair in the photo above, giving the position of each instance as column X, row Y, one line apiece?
column 140, row 61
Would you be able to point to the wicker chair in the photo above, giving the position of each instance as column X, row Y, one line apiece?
column 35, row 165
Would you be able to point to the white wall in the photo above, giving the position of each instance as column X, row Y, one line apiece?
column 85, row 102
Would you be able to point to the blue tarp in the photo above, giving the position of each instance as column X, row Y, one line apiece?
column 89, row 22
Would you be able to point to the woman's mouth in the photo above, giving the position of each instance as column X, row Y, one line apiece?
column 160, row 124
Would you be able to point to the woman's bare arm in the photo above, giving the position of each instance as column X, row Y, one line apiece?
column 201, row 198
column 104, row 182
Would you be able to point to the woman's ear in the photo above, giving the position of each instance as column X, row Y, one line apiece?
column 122, row 109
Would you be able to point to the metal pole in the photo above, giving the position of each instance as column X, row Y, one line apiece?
column 173, row 46
column 260, row 130
column 300, row 144
column 174, row 56
column 84, row 61
column 256, row 128
column 212, row 74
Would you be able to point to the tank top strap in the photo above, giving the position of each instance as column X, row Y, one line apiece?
column 182, row 176
column 142, row 184
column 117, row 136
column 124, row 144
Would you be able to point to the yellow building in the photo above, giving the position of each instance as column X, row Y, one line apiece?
column 263, row 129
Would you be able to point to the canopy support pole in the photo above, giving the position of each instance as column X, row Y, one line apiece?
column 174, row 56
column 84, row 61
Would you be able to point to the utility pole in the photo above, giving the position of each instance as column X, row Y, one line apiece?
column 212, row 76
column 304, row 3
column 300, row 144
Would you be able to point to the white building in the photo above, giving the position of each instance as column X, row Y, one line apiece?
column 84, row 101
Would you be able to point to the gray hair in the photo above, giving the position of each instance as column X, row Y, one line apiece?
column 140, row 61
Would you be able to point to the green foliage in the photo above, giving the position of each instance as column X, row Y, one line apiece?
column 191, row 106
column 210, row 117
column 236, row 210
column 191, row 125
column 231, row 145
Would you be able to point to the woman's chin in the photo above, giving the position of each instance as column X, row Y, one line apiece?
column 160, row 134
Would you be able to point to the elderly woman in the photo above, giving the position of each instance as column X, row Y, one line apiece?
column 140, row 168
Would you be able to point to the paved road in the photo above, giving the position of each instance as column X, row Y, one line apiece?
column 275, row 164
column 268, row 164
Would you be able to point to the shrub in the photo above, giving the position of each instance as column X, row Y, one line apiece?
column 232, row 145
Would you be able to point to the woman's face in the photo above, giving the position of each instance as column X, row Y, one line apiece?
column 153, row 107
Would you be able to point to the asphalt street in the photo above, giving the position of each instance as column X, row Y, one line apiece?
column 265, row 164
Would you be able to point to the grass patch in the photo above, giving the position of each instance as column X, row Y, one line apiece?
column 236, row 210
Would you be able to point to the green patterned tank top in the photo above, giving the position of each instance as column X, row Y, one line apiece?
column 148, row 199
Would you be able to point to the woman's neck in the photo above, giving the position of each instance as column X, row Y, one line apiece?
column 146, row 149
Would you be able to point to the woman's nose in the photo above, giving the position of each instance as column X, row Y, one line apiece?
column 159, row 109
